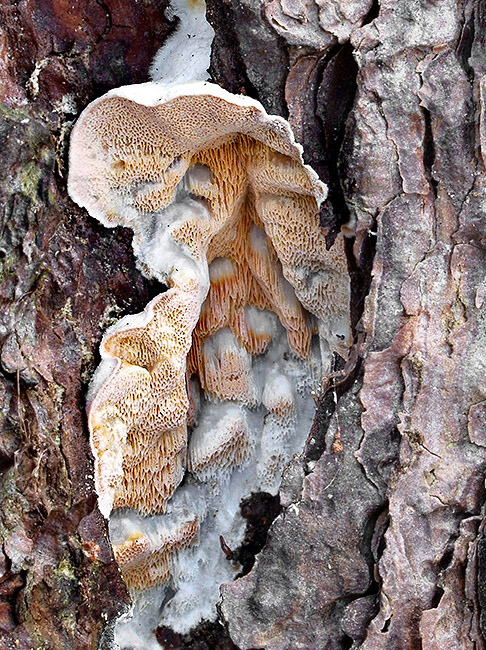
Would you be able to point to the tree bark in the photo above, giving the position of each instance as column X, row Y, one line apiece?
column 380, row 541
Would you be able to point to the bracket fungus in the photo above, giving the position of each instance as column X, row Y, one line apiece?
column 225, row 213
column 145, row 562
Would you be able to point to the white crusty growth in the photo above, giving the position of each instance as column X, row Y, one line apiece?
column 186, row 54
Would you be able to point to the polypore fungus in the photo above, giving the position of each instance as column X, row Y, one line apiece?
column 221, row 440
column 145, row 562
column 203, row 178
column 137, row 415
column 225, row 213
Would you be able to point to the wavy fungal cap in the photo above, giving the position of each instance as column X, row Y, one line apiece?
column 222, row 440
column 146, row 563
column 224, row 212
column 131, row 148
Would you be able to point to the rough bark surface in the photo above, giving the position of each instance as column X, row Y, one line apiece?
column 381, row 541
column 378, row 543
column 62, row 280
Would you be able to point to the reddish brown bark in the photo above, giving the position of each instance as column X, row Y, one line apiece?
column 62, row 280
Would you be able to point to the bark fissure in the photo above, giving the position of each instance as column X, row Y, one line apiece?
column 429, row 151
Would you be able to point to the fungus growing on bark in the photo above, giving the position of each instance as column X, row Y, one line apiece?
column 145, row 563
column 224, row 446
column 225, row 213
column 137, row 415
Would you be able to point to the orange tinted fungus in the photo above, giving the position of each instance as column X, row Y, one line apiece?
column 225, row 212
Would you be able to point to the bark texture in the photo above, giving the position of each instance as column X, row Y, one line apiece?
column 380, row 543
column 62, row 280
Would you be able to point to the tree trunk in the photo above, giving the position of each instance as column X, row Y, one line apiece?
column 380, row 542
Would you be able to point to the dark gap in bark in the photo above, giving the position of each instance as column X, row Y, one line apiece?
column 379, row 541
column 343, row 375
column 227, row 67
column 316, row 440
column 350, row 372
column 429, row 150
column 441, row 566
column 481, row 579
column 446, row 559
column 360, row 265
column 386, row 626
column 6, row 461
column 346, row 374
column 464, row 52
column 371, row 548
column 260, row 510
column 373, row 13
column 464, row 47
column 109, row 20
column 312, row 137
column 335, row 101
column 372, row 543
column 335, row 97
column 206, row 636
column 347, row 642
column 360, row 276
column 437, row 597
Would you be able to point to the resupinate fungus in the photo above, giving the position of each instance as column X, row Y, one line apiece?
column 211, row 382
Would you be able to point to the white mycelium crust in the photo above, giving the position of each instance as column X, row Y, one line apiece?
column 225, row 213
column 186, row 54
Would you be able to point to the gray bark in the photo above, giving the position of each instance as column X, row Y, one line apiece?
column 378, row 544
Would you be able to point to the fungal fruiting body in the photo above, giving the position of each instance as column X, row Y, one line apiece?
column 137, row 417
column 225, row 213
